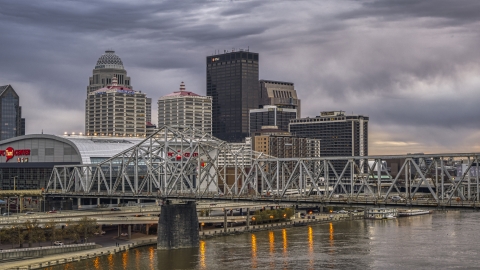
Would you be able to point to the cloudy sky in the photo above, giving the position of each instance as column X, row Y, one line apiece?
column 411, row 65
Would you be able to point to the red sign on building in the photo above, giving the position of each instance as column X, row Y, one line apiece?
column 9, row 153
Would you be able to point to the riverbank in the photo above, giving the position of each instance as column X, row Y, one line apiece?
column 139, row 241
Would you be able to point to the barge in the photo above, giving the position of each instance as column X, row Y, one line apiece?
column 413, row 212
column 381, row 213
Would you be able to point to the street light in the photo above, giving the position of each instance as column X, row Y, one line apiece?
column 15, row 182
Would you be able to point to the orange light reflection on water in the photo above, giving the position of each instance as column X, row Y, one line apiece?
column 285, row 246
column 271, row 240
column 125, row 259
column 254, row 251
column 311, row 255
column 111, row 263
column 331, row 234
column 203, row 264
column 96, row 263
column 151, row 256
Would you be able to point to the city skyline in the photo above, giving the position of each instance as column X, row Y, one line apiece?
column 410, row 66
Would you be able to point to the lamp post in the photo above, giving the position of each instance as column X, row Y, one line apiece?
column 15, row 182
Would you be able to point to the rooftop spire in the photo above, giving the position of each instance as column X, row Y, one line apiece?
column 182, row 86
column 114, row 81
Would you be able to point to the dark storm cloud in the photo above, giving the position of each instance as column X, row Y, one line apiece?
column 412, row 66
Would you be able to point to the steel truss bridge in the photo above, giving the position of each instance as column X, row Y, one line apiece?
column 182, row 162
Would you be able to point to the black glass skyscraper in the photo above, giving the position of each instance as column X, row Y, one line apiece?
column 11, row 122
column 232, row 82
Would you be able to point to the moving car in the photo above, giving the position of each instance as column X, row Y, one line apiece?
column 52, row 211
column 58, row 243
column 29, row 213
column 124, row 234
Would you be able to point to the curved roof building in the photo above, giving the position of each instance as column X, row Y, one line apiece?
column 109, row 65
column 27, row 161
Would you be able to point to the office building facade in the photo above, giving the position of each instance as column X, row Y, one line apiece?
column 184, row 108
column 115, row 111
column 286, row 146
column 340, row 134
column 280, row 94
column 232, row 82
column 12, row 124
column 271, row 116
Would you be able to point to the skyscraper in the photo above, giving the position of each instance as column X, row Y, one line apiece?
column 184, row 108
column 271, row 116
column 11, row 122
column 232, row 82
column 280, row 94
column 109, row 65
column 112, row 107
column 115, row 111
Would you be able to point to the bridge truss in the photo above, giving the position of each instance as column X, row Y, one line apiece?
column 184, row 162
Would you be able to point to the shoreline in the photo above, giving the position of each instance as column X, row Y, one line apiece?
column 54, row 260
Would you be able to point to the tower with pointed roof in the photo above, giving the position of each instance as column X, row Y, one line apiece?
column 185, row 108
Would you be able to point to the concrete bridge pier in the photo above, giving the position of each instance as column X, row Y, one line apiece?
column 178, row 226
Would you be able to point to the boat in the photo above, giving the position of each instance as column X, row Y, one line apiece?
column 381, row 213
column 413, row 212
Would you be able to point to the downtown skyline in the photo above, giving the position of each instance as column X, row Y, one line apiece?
column 411, row 66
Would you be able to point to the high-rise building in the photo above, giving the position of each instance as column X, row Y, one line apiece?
column 115, row 111
column 109, row 65
column 340, row 134
column 184, row 108
column 280, row 94
column 271, row 116
column 232, row 82
column 286, row 146
column 98, row 115
column 12, row 124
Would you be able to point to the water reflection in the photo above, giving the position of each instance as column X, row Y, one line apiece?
column 203, row 265
column 151, row 256
column 110, row 262
column 271, row 240
column 124, row 260
column 254, row 251
column 96, row 263
column 311, row 255
column 184, row 258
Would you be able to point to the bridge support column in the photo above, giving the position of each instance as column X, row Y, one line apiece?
column 118, row 201
column 119, row 230
column 98, row 202
column 129, row 231
column 79, row 203
column 178, row 226
column 248, row 218
column 147, row 228
column 225, row 223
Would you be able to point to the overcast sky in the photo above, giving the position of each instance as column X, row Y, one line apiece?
column 412, row 66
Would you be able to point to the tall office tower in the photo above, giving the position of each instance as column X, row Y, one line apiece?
column 148, row 114
column 271, row 116
column 280, row 94
column 12, row 124
column 286, row 146
column 232, row 82
column 184, row 108
column 109, row 65
column 115, row 110
column 340, row 134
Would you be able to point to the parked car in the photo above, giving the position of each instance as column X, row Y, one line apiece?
column 124, row 234
column 397, row 199
column 52, row 211
column 7, row 214
column 58, row 243
column 103, row 232
column 115, row 209
column 29, row 213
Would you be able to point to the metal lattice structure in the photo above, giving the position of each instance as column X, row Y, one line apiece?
column 184, row 162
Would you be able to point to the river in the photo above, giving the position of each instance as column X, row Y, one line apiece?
column 441, row 240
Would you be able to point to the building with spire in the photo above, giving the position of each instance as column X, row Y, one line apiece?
column 115, row 110
column 11, row 122
column 184, row 108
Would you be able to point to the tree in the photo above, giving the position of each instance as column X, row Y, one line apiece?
column 18, row 235
column 53, row 232
column 87, row 227
column 5, row 236
column 33, row 232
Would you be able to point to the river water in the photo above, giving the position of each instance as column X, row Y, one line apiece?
column 441, row 240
